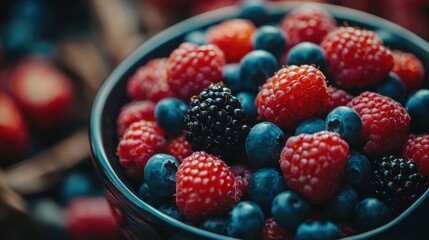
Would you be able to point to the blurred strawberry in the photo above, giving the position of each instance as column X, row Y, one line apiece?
column 43, row 92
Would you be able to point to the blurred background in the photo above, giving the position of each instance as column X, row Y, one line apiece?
column 54, row 54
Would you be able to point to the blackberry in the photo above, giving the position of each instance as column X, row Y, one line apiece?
column 396, row 182
column 216, row 121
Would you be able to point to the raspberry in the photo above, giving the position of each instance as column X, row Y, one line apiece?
column 242, row 178
column 150, row 82
column 385, row 123
column 313, row 164
column 191, row 68
column 292, row 95
column 337, row 98
column 205, row 187
column 135, row 111
column 417, row 149
column 179, row 147
column 233, row 37
column 356, row 57
column 140, row 141
column 409, row 68
column 307, row 23
column 273, row 231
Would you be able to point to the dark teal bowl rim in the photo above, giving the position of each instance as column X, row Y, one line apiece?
column 101, row 160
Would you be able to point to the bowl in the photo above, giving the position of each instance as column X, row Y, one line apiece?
column 139, row 220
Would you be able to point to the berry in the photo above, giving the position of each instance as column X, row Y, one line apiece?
column 149, row 197
column 313, row 164
column 273, row 231
column 140, row 141
column 289, row 210
column 371, row 213
column 179, row 147
column 49, row 216
column 242, row 179
column 337, row 97
column 256, row 67
column 417, row 150
column 417, row 106
column 307, row 23
column 134, row 111
column 215, row 121
column 233, row 37
column 342, row 204
column 389, row 39
column 264, row 144
column 247, row 101
column 392, row 87
column 245, row 221
column 357, row 171
column 356, row 57
column 385, row 123
column 307, row 53
column 253, row 10
column 149, row 82
column 215, row 225
column 231, row 77
column 396, row 182
column 271, row 39
column 160, row 174
column 265, row 184
column 191, row 68
column 346, row 122
column 76, row 184
column 171, row 210
column 205, row 187
column 409, row 69
column 317, row 230
column 310, row 126
column 292, row 95
column 169, row 114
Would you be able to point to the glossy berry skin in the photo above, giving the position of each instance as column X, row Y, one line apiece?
column 256, row 67
column 310, row 126
column 253, row 10
column 366, row 61
column 346, row 122
column 271, row 39
column 233, row 37
column 160, row 174
column 134, row 111
column 371, row 213
column 245, row 221
column 292, row 95
column 342, row 204
column 317, row 230
column 417, row 106
column 149, row 197
column 231, row 77
column 393, row 87
column 179, row 147
column 205, row 187
column 170, row 114
column 76, row 184
column 417, row 149
column 191, row 68
column 264, row 144
column 409, row 69
column 273, row 231
column 171, row 210
column 289, row 210
column 215, row 225
column 247, row 101
column 357, row 171
column 265, row 184
column 307, row 53
column 337, row 97
column 313, row 164
column 385, row 122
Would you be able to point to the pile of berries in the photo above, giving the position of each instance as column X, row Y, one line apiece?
column 307, row 130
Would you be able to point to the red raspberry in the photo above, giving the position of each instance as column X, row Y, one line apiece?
column 205, row 187
column 179, row 147
column 149, row 82
column 273, row 231
column 417, row 149
column 356, row 57
column 409, row 68
column 191, row 68
column 242, row 179
column 385, row 122
column 233, row 37
column 307, row 23
column 135, row 111
column 140, row 141
column 313, row 164
column 337, row 97
column 293, row 94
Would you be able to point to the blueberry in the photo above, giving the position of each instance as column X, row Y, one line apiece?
column 245, row 221
column 346, row 122
column 393, row 87
column 256, row 67
column 371, row 213
column 215, row 225
column 231, row 77
column 33, row 12
column 265, row 184
column 357, row 170
column 264, row 144
column 307, row 53
column 160, row 174
column 253, row 10
column 76, row 184
column 17, row 37
column 317, row 230
column 171, row 210
column 289, row 209
column 342, row 204
column 170, row 114
column 310, row 126
column 197, row 37
column 417, row 106
column 247, row 101
column 147, row 195
column 270, row 39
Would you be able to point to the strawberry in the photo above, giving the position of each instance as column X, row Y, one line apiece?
column 134, row 111
column 417, row 149
column 179, row 147
column 409, row 69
